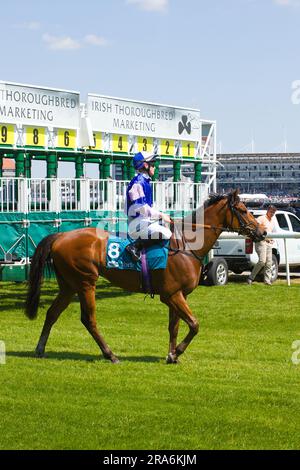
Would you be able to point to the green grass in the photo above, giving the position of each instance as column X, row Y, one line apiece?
column 235, row 388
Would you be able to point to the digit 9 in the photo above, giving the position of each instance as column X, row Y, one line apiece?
column 4, row 134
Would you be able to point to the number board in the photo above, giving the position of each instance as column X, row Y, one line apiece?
column 145, row 144
column 98, row 141
column 120, row 143
column 167, row 147
column 188, row 149
column 36, row 136
column 7, row 134
column 66, row 138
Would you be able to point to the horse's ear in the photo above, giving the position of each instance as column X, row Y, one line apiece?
column 235, row 195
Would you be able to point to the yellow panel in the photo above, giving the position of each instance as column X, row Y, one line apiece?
column 98, row 141
column 145, row 144
column 120, row 143
column 36, row 136
column 66, row 138
column 7, row 134
column 188, row 149
column 167, row 147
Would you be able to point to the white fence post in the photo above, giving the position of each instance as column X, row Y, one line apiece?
column 54, row 203
column 111, row 195
column 84, row 204
column 23, row 195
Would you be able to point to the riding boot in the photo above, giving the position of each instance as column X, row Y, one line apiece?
column 135, row 248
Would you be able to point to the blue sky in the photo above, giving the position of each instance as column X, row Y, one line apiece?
column 235, row 60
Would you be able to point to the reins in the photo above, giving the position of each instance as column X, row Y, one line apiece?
column 243, row 227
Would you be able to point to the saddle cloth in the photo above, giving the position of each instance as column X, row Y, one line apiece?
column 117, row 257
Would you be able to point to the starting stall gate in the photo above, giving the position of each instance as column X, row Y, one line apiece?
column 54, row 126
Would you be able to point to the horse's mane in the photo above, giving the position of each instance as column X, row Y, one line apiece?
column 213, row 198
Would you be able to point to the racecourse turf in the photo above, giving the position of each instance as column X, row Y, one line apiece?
column 235, row 388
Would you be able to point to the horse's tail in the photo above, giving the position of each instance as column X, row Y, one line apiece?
column 40, row 258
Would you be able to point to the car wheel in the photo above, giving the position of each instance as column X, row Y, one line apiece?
column 274, row 275
column 215, row 273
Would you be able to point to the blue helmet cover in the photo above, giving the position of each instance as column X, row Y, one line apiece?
column 142, row 157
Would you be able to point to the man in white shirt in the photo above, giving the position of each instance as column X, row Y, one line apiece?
column 264, row 248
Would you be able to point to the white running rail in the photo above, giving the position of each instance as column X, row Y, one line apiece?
column 69, row 194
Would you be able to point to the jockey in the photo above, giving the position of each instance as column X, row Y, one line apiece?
column 144, row 222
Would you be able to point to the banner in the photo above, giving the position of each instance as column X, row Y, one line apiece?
column 29, row 105
column 120, row 116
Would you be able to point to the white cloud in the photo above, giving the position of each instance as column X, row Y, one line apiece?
column 64, row 43
column 94, row 40
column 150, row 5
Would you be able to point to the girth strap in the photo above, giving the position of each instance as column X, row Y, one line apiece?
column 146, row 275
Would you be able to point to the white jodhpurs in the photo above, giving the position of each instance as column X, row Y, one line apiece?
column 145, row 230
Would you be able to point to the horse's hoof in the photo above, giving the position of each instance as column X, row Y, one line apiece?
column 39, row 354
column 115, row 360
column 171, row 359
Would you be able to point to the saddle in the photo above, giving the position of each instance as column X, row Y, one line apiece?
column 152, row 258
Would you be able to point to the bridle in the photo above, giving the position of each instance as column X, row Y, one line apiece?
column 247, row 229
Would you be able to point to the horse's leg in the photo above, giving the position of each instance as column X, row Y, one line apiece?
column 88, row 318
column 60, row 303
column 179, row 304
column 173, row 331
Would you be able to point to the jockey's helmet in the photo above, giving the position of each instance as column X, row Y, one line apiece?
column 143, row 157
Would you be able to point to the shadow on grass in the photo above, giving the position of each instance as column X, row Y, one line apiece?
column 70, row 356
column 238, row 278
column 60, row 356
column 16, row 300
column 155, row 359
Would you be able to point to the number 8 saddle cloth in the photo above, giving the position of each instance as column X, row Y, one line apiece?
column 117, row 257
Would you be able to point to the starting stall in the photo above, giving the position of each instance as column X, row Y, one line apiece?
column 51, row 125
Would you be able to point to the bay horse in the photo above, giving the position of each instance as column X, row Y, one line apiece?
column 79, row 258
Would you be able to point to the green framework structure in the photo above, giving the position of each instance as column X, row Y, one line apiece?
column 57, row 127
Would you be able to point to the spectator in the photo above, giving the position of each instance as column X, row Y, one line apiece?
column 264, row 248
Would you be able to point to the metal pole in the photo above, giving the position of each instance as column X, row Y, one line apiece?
column 51, row 172
column 131, row 170
column 106, row 167
column 20, row 165
column 197, row 179
column 100, row 171
column 27, row 269
column 156, row 173
column 28, row 166
column 287, row 266
column 124, row 171
column 79, row 174
column 197, row 172
column 176, row 179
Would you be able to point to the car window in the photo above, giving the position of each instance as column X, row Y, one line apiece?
column 295, row 223
column 282, row 222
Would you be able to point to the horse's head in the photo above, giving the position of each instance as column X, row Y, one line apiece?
column 239, row 219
